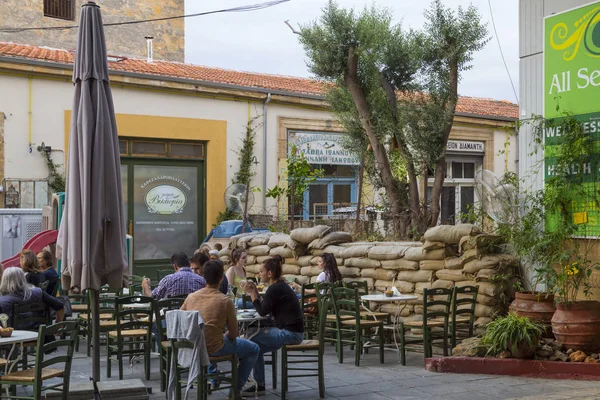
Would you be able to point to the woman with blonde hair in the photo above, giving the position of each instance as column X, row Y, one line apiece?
column 31, row 267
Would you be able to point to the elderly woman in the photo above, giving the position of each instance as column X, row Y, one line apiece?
column 31, row 267
column 45, row 261
column 14, row 289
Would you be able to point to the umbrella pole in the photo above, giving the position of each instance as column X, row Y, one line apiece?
column 95, row 338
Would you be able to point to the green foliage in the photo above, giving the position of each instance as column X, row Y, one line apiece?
column 300, row 175
column 512, row 333
column 56, row 180
column 543, row 231
column 401, row 102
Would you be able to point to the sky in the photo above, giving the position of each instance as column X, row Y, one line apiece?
column 259, row 41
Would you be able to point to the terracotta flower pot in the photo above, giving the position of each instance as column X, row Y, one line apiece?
column 536, row 306
column 577, row 325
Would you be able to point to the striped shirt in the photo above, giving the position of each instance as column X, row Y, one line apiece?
column 184, row 281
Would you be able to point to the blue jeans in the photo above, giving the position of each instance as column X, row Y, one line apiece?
column 240, row 304
column 246, row 351
column 270, row 339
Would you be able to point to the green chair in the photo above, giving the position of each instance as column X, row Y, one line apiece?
column 161, row 273
column 203, row 387
column 436, row 312
column 362, row 287
column 132, row 335
column 352, row 329
column 303, row 354
column 29, row 317
column 309, row 303
column 164, row 344
column 106, row 308
column 323, row 291
column 464, row 300
column 46, row 357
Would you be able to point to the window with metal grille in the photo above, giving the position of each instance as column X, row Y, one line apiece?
column 61, row 9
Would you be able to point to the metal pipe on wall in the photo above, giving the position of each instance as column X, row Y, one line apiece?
column 265, row 109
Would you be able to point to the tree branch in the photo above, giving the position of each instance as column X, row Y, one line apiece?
column 287, row 22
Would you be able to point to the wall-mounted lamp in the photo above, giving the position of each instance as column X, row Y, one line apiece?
column 43, row 147
column 255, row 160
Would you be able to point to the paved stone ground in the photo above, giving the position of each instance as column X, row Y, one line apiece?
column 374, row 381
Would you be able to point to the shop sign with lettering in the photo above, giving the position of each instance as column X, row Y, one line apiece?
column 465, row 146
column 322, row 148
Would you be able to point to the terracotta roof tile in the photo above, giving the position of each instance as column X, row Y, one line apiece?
column 467, row 105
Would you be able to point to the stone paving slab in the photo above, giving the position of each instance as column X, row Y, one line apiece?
column 375, row 381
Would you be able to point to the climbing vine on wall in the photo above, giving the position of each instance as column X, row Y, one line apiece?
column 56, row 180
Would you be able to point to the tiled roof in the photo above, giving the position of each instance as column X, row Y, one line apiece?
column 289, row 84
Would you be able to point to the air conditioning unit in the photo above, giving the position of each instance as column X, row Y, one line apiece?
column 18, row 226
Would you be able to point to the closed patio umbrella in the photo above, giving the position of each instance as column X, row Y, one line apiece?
column 91, row 237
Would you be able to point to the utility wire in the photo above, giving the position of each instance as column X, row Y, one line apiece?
column 501, row 53
column 252, row 7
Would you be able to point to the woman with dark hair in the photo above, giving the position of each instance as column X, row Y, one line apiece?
column 281, row 302
column 30, row 265
column 45, row 261
column 331, row 273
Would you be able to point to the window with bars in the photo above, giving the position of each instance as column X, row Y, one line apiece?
column 61, row 9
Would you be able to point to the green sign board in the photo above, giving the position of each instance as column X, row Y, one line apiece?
column 572, row 86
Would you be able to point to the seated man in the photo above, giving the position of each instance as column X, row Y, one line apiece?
column 198, row 260
column 184, row 281
column 218, row 312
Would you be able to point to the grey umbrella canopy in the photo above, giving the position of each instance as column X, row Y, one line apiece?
column 92, row 230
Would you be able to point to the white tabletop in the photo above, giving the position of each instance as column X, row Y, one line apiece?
column 141, row 306
column 256, row 317
column 19, row 337
column 383, row 298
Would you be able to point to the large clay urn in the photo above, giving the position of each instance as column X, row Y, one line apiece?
column 536, row 306
column 577, row 325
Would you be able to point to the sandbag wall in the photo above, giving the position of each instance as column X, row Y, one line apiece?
column 450, row 255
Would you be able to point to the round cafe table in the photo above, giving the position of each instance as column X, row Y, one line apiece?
column 18, row 337
column 246, row 320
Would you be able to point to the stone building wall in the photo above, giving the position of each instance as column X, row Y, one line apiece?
column 123, row 40
column 2, row 156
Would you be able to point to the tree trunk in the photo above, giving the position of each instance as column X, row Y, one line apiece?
column 440, row 168
column 379, row 151
column 361, row 173
column 293, row 200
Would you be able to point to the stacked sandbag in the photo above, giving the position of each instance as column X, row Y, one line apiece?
column 449, row 255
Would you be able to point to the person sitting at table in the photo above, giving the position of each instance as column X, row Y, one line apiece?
column 31, row 268
column 45, row 261
column 197, row 262
column 330, row 272
column 183, row 282
column 14, row 289
column 218, row 312
column 281, row 302
column 237, row 273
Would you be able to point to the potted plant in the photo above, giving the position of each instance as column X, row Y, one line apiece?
column 512, row 336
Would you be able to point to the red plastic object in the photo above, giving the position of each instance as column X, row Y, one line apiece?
column 35, row 244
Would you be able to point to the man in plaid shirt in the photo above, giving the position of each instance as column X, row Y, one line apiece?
column 183, row 281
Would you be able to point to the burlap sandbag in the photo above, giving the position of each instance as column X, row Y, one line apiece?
column 386, row 252
column 330, row 239
column 404, row 287
column 236, row 240
column 225, row 251
column 349, row 272
column 259, row 250
column 288, row 269
column 225, row 259
column 292, row 261
column 421, row 286
column 291, row 243
column 284, row 252
column 432, row 308
column 259, row 240
column 335, row 250
column 485, row 242
column 310, row 271
column 385, row 274
column 300, row 251
column 401, row 310
column 251, row 259
column 304, row 261
column 361, row 263
column 355, row 251
column 442, row 284
column 454, row 263
column 492, row 289
column 490, row 300
column 450, row 234
column 382, row 285
column 315, row 252
column 454, row 275
column 489, row 262
column 415, row 276
column 307, row 235
column 314, row 260
column 261, row 259
column 482, row 321
column 253, row 268
column 368, row 272
column 431, row 265
column 482, row 310
column 400, row 265
column 278, row 239
column 370, row 281
column 487, row 274
column 302, row 280
column 429, row 245
column 417, row 254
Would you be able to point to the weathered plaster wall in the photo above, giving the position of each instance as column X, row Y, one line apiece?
column 125, row 40
column 1, row 155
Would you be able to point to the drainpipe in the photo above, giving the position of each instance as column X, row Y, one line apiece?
column 30, row 115
column 267, row 101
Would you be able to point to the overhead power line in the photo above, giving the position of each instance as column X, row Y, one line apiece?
column 252, row 7
column 502, row 54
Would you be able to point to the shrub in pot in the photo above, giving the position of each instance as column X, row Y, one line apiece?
column 513, row 334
